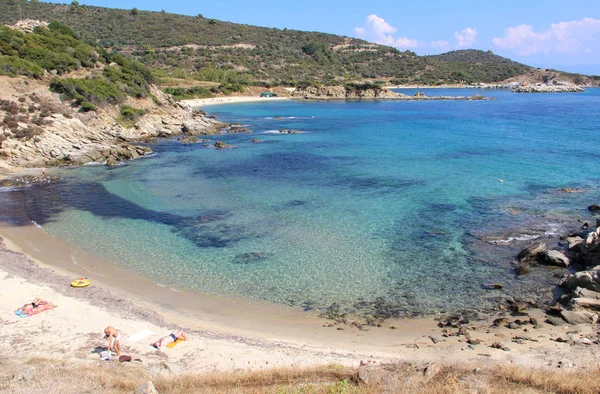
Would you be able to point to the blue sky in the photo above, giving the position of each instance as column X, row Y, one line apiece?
column 558, row 34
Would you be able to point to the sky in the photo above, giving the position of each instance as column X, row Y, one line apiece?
column 558, row 34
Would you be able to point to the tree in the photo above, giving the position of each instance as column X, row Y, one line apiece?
column 75, row 3
column 212, row 22
column 134, row 11
column 200, row 16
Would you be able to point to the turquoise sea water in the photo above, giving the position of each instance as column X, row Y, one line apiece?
column 376, row 205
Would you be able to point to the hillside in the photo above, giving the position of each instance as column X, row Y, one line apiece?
column 62, row 103
column 208, row 49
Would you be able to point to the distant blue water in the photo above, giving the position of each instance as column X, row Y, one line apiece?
column 378, row 205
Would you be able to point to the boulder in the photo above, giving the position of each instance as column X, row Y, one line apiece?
column 190, row 139
column 554, row 257
column 237, row 130
column 531, row 252
column 591, row 303
column 573, row 317
column 584, row 279
column 555, row 321
column 222, row 145
column 522, row 268
column 146, row 388
column 574, row 242
column 112, row 161
column 385, row 381
column 594, row 208
column 579, row 292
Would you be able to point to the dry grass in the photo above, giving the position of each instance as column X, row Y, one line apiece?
column 54, row 377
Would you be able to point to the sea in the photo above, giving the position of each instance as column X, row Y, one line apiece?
column 397, row 208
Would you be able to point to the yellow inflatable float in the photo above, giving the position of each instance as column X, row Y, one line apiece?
column 80, row 282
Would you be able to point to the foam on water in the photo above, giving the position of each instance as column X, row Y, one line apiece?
column 378, row 205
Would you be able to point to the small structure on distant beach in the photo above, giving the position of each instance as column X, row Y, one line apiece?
column 268, row 94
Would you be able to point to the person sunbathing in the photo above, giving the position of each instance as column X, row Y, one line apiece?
column 38, row 305
column 167, row 339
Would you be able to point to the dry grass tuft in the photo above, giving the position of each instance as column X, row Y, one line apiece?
column 56, row 377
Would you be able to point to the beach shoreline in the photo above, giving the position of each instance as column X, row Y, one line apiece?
column 231, row 100
column 273, row 340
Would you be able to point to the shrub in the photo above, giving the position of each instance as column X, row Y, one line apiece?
column 13, row 66
column 87, row 106
column 129, row 115
column 90, row 90
column 28, row 133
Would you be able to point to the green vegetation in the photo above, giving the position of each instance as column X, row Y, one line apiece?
column 57, row 50
column 471, row 66
column 128, row 115
column 53, row 49
column 202, row 48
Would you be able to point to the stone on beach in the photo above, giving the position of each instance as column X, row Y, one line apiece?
column 575, row 317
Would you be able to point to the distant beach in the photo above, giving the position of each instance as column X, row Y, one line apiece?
column 230, row 100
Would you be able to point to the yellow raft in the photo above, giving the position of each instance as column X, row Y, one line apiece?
column 80, row 282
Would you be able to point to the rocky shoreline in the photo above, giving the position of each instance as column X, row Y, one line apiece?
column 40, row 130
column 345, row 93
column 541, row 88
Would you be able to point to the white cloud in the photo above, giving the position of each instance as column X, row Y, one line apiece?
column 561, row 38
column 439, row 44
column 465, row 38
column 377, row 30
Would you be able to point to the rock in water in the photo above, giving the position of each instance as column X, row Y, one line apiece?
column 531, row 252
column 554, row 257
column 594, row 208
column 222, row 145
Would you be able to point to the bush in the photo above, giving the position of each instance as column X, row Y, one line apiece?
column 28, row 133
column 13, row 66
column 91, row 90
column 87, row 106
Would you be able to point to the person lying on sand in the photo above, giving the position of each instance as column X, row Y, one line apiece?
column 38, row 305
column 167, row 339
column 114, row 339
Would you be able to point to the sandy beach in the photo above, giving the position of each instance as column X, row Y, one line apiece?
column 223, row 336
column 230, row 100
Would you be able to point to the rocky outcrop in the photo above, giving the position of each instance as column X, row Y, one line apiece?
column 341, row 92
column 541, row 88
column 345, row 93
column 37, row 129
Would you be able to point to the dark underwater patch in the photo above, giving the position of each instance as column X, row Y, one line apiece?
column 43, row 203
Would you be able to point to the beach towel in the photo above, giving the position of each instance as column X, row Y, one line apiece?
column 138, row 336
column 173, row 344
column 29, row 310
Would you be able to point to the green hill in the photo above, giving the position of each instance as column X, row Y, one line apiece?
column 196, row 47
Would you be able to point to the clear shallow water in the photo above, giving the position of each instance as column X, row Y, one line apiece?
column 378, row 205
